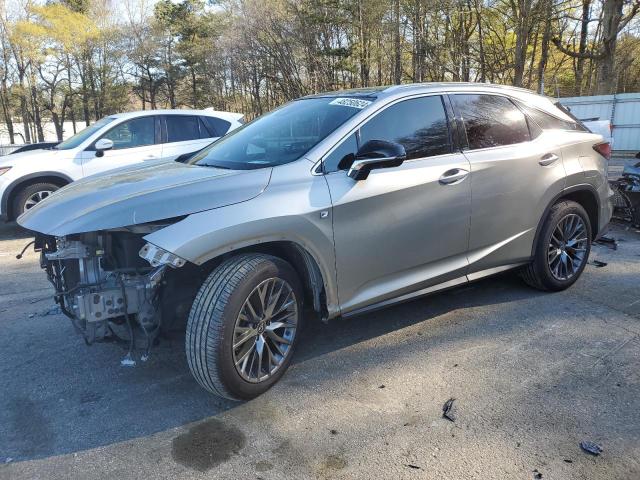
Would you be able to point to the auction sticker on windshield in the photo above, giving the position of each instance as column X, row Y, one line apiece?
column 350, row 102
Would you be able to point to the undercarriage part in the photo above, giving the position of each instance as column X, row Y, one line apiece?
column 102, row 284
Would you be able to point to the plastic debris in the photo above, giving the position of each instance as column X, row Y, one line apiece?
column 537, row 475
column 447, row 410
column 608, row 241
column 8, row 460
column 591, row 448
column 598, row 263
column 128, row 361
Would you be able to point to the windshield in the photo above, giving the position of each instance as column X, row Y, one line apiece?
column 82, row 135
column 282, row 136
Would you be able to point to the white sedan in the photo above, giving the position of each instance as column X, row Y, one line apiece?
column 112, row 142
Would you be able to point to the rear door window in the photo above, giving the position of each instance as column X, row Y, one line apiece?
column 182, row 128
column 490, row 120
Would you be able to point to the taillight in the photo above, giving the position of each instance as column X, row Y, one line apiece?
column 603, row 149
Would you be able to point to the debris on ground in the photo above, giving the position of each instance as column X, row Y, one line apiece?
column 591, row 448
column 610, row 242
column 128, row 361
column 381, row 386
column 36, row 300
column 333, row 431
column 567, row 460
column 537, row 475
column 8, row 460
column 597, row 263
column 55, row 310
column 415, row 467
column 447, row 410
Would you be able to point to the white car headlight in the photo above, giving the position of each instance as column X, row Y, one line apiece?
column 156, row 256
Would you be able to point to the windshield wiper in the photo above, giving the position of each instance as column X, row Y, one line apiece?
column 214, row 166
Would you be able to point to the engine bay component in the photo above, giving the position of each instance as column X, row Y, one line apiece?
column 157, row 256
column 102, row 284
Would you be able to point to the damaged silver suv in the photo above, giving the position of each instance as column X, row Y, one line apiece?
column 340, row 202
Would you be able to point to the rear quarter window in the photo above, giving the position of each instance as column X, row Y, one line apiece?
column 547, row 121
column 216, row 126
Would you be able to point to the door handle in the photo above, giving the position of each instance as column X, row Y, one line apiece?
column 548, row 159
column 455, row 175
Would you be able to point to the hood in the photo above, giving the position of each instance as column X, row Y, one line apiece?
column 10, row 160
column 141, row 195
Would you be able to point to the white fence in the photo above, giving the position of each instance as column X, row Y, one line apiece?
column 622, row 110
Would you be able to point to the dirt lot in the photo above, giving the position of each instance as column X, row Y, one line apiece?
column 533, row 375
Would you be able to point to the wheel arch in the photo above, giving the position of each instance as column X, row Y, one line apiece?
column 302, row 261
column 586, row 196
column 14, row 187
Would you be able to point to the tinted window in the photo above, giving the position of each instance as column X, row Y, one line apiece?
column 490, row 120
column 82, row 135
column 547, row 121
column 575, row 124
column 343, row 156
column 216, row 126
column 281, row 136
column 419, row 124
column 181, row 128
column 132, row 133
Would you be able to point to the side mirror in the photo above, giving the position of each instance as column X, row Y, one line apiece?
column 102, row 145
column 376, row 154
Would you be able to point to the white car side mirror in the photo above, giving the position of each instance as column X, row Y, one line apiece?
column 102, row 145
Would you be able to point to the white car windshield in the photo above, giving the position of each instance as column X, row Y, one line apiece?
column 82, row 135
column 281, row 136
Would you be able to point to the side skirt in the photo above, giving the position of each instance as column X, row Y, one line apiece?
column 472, row 277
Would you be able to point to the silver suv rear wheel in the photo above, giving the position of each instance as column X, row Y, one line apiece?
column 562, row 248
column 567, row 247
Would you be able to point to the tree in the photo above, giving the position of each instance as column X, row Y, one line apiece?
column 613, row 22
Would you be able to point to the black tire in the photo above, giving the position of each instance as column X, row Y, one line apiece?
column 212, row 319
column 538, row 273
column 21, row 198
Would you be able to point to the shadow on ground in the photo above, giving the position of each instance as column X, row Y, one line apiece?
column 63, row 396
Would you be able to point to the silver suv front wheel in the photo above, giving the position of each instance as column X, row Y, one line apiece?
column 243, row 325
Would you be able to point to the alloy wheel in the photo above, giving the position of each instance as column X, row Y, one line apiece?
column 567, row 247
column 35, row 198
column 264, row 330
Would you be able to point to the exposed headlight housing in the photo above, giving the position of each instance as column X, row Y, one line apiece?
column 157, row 257
column 4, row 170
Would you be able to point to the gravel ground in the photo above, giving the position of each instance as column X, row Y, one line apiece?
column 532, row 375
